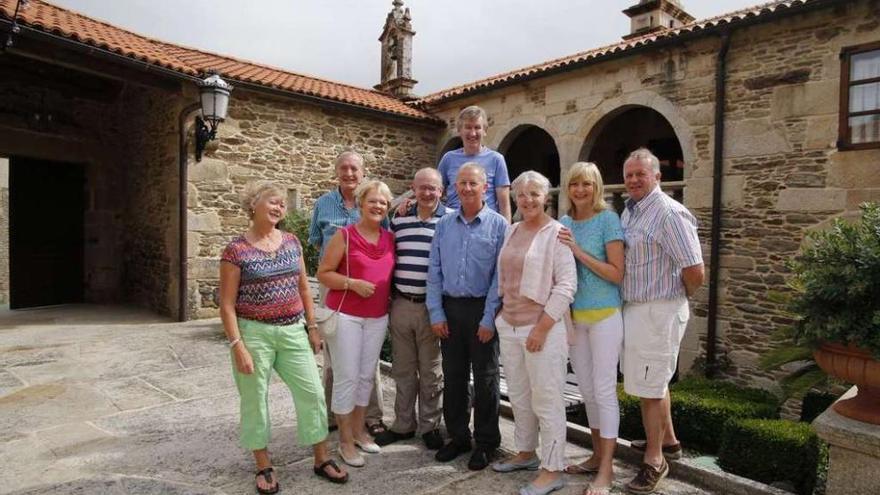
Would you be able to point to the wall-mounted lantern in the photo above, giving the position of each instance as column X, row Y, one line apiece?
column 214, row 95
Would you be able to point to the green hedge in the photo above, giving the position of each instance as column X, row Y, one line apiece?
column 771, row 450
column 700, row 408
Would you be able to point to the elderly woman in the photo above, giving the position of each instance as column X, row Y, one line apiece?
column 357, row 268
column 267, row 314
column 334, row 210
column 595, row 237
column 536, row 281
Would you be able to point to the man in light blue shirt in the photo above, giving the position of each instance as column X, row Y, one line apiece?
column 462, row 301
column 334, row 210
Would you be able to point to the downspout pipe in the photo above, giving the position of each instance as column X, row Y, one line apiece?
column 185, row 114
column 717, row 181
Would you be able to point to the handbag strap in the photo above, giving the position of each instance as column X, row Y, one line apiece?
column 347, row 270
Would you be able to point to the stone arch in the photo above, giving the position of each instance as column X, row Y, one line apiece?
column 530, row 147
column 451, row 142
column 596, row 121
column 627, row 128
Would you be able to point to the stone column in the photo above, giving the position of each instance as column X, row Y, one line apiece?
column 854, row 457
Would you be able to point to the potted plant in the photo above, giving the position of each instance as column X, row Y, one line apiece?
column 835, row 300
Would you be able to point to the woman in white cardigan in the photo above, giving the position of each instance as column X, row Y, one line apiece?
column 537, row 281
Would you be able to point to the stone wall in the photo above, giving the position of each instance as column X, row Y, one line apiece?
column 294, row 144
column 782, row 172
column 151, row 199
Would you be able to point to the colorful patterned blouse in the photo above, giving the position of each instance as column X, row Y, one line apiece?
column 268, row 290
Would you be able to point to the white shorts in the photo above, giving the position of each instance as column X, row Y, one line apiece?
column 652, row 337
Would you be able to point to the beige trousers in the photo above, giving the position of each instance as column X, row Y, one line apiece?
column 416, row 368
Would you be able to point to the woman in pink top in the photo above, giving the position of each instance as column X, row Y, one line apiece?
column 361, row 297
column 537, row 281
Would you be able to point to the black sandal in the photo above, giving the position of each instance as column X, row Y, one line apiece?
column 267, row 475
column 376, row 428
column 321, row 472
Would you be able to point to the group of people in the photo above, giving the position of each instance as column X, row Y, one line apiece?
column 463, row 292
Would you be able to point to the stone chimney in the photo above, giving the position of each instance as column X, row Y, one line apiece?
column 651, row 16
column 396, row 39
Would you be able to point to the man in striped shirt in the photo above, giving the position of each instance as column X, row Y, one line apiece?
column 416, row 368
column 664, row 266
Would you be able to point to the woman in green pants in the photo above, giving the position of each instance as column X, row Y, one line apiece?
column 267, row 313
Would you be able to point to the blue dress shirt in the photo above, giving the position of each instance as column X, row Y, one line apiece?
column 329, row 215
column 463, row 260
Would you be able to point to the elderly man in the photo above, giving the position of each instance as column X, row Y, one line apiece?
column 471, row 126
column 333, row 210
column 416, row 365
column 462, row 302
column 663, row 267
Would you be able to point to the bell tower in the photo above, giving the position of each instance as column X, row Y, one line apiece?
column 651, row 16
column 396, row 39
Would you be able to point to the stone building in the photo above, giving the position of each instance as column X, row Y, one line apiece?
column 793, row 145
column 792, row 157
column 92, row 118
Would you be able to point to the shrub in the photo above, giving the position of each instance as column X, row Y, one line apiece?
column 701, row 407
column 630, row 415
column 771, row 450
column 297, row 223
column 836, row 297
column 814, row 404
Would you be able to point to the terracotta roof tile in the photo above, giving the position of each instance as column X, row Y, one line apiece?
column 43, row 16
column 733, row 18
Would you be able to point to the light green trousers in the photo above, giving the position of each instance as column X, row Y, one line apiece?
column 285, row 349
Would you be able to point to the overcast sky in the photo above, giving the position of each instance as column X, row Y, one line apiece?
column 456, row 41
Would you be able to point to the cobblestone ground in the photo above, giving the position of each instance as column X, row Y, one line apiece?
column 108, row 400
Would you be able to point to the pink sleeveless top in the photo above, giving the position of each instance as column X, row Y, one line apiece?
column 371, row 262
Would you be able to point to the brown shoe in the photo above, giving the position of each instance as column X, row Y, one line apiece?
column 648, row 478
column 670, row 452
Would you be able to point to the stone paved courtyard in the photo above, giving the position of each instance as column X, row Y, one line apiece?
column 109, row 400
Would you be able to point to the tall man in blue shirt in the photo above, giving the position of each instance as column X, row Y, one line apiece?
column 462, row 301
column 471, row 125
column 334, row 210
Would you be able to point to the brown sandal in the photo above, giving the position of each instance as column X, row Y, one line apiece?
column 321, row 471
column 581, row 469
column 267, row 476
column 376, row 428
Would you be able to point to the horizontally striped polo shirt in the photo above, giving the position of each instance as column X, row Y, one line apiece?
column 661, row 239
column 413, row 248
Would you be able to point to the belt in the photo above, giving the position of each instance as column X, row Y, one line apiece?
column 416, row 298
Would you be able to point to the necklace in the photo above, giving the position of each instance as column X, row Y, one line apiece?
column 266, row 244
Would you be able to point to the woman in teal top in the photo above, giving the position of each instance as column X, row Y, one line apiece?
column 595, row 237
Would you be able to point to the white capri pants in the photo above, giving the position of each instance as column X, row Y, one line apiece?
column 535, row 381
column 594, row 353
column 355, row 349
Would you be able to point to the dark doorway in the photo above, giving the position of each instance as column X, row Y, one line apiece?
column 529, row 147
column 631, row 129
column 46, row 212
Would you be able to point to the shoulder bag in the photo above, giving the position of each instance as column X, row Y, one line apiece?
column 325, row 317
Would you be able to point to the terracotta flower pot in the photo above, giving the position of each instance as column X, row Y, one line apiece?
column 853, row 365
